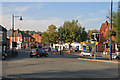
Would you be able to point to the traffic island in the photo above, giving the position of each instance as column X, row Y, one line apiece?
column 113, row 61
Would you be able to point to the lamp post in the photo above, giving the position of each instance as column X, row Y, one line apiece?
column 60, row 39
column 13, row 16
column 111, row 28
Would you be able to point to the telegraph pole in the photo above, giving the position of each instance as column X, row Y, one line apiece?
column 110, row 29
column 60, row 39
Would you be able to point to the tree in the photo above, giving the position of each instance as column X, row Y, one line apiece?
column 72, row 32
column 45, row 37
column 116, row 25
column 50, row 35
column 51, row 28
column 110, row 33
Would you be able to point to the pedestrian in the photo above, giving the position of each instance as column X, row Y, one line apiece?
column 24, row 47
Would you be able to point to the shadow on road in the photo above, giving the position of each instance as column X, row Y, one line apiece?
column 102, row 73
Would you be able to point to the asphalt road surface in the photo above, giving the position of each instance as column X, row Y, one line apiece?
column 56, row 66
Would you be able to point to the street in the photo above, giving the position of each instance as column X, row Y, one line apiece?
column 56, row 66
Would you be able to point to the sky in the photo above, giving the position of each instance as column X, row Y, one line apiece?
column 38, row 16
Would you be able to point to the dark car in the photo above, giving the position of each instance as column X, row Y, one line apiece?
column 38, row 53
column 4, row 55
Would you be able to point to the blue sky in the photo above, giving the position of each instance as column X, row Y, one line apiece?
column 39, row 15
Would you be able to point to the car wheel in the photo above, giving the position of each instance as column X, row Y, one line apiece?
column 31, row 56
column 38, row 56
column 46, row 55
column 117, row 58
column 3, row 57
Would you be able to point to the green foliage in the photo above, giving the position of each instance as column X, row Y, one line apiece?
column 116, row 25
column 70, row 32
column 45, row 37
column 110, row 33
column 50, row 36
column 52, row 28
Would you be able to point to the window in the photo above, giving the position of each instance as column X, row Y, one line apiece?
column 98, row 46
column 1, row 37
column 39, row 50
column 102, row 46
column 29, row 39
column 24, row 39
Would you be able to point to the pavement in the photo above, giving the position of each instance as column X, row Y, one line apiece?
column 100, row 58
column 57, row 66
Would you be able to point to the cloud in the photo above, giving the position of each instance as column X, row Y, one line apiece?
column 21, row 9
column 14, row 8
column 31, row 24
column 92, row 23
column 80, row 16
column 93, row 19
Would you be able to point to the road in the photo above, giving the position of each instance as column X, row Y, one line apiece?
column 56, row 66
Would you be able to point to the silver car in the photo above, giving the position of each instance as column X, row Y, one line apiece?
column 116, row 56
column 86, row 53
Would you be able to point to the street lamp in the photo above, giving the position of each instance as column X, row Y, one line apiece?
column 60, row 39
column 20, row 18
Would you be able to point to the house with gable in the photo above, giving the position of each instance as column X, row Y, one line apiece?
column 103, row 39
column 23, row 39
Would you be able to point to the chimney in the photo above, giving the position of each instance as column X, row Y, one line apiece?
column 18, row 31
column 12, row 30
column 106, row 23
column 29, row 33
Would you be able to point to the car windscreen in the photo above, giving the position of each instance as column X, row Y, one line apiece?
column 33, row 50
column 86, row 52
column 41, row 50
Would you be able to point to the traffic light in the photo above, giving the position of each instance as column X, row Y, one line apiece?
column 92, row 37
column 107, row 46
column 97, row 37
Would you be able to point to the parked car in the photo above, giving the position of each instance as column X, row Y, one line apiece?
column 86, row 53
column 55, row 50
column 105, row 53
column 116, row 56
column 4, row 55
column 47, row 49
column 38, row 52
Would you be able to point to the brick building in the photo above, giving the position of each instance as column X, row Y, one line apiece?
column 23, row 39
column 103, row 31
column 37, row 37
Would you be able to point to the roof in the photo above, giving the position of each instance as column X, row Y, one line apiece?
column 104, row 26
column 37, row 34
column 20, row 34
column 2, row 28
